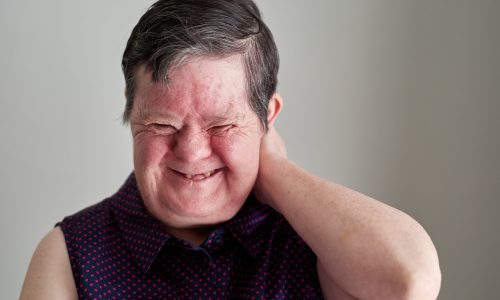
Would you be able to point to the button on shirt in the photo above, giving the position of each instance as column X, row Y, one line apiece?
column 118, row 251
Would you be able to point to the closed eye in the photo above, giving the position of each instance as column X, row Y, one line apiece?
column 220, row 129
column 163, row 128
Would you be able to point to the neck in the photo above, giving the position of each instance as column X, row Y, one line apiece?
column 195, row 236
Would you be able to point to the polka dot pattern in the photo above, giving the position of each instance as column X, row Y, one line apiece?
column 118, row 251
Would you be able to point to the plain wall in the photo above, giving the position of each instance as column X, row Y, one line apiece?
column 397, row 99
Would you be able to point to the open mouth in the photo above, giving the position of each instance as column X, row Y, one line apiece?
column 200, row 176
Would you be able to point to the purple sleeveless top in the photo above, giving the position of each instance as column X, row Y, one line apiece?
column 118, row 251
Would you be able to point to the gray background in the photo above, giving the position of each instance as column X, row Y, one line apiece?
column 397, row 99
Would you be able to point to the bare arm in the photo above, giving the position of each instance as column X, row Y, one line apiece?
column 49, row 275
column 365, row 249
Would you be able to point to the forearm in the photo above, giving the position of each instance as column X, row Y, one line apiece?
column 370, row 249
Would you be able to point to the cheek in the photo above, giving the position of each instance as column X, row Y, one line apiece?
column 148, row 152
column 239, row 154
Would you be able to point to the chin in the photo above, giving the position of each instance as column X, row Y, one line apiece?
column 186, row 213
column 204, row 218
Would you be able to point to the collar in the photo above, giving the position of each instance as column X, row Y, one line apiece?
column 253, row 226
column 145, row 236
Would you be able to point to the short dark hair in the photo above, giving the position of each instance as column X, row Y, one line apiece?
column 172, row 30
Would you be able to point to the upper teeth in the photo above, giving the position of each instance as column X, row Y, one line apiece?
column 205, row 175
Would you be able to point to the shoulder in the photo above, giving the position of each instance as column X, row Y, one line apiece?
column 49, row 275
column 92, row 213
column 87, row 221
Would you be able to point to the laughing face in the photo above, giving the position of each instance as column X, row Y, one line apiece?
column 196, row 142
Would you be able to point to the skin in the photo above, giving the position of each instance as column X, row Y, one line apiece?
column 365, row 248
column 49, row 275
column 201, row 121
column 198, row 124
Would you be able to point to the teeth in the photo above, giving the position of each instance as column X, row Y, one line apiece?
column 197, row 176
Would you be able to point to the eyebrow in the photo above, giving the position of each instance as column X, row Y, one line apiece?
column 215, row 119
column 148, row 114
column 145, row 114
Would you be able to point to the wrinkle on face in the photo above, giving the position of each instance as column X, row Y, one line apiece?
column 200, row 96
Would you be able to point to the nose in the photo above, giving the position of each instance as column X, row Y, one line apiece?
column 191, row 145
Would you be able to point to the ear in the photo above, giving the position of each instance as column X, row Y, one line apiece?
column 274, row 108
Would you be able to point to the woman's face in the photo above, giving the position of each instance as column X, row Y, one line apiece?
column 196, row 142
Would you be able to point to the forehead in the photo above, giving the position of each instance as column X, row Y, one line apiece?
column 201, row 85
